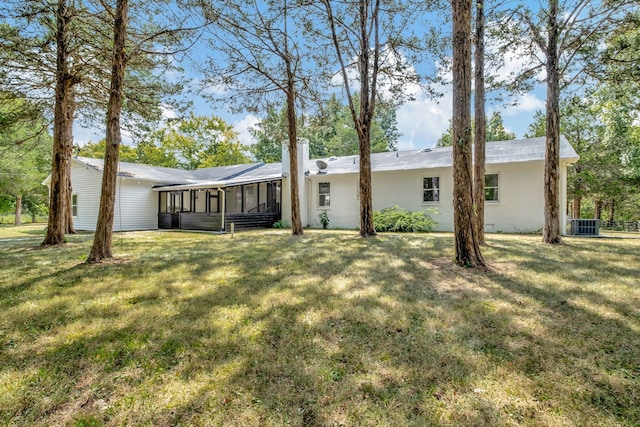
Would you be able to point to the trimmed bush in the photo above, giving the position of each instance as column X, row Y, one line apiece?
column 399, row 219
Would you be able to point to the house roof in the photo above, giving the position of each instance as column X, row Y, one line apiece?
column 513, row 151
column 260, row 173
column 170, row 176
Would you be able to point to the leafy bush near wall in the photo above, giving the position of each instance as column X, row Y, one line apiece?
column 281, row 224
column 396, row 218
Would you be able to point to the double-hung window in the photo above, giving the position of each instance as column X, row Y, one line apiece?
column 324, row 194
column 491, row 188
column 431, row 189
column 74, row 205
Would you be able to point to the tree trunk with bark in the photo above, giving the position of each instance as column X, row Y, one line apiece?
column 467, row 247
column 102, row 241
column 368, row 67
column 551, row 232
column 577, row 207
column 292, row 126
column 612, row 210
column 70, row 229
column 480, row 128
column 64, row 109
column 367, row 228
column 597, row 211
column 296, row 220
column 18, row 218
column 368, row 92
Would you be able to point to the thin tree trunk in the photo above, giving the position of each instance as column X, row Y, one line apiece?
column 612, row 210
column 363, row 124
column 62, row 135
column 552, row 152
column 70, row 229
column 577, row 207
column 597, row 211
column 18, row 217
column 296, row 220
column 480, row 129
column 102, row 241
column 467, row 248
column 367, row 228
column 368, row 71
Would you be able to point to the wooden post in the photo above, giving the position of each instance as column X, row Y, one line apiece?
column 233, row 226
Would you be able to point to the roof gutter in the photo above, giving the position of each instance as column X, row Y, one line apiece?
column 194, row 186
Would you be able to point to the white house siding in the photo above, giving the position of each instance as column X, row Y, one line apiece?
column 520, row 208
column 136, row 205
column 86, row 183
column 405, row 189
column 521, row 193
column 563, row 198
column 344, row 203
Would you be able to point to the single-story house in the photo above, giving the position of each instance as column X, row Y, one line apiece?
column 257, row 195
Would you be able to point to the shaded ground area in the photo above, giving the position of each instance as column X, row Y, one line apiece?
column 327, row 329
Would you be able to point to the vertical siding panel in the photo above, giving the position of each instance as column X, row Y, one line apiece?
column 86, row 183
column 136, row 205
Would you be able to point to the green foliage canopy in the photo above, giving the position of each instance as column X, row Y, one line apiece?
column 185, row 143
column 25, row 159
column 494, row 127
column 329, row 130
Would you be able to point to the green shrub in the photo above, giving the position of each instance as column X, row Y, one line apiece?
column 324, row 219
column 396, row 218
column 281, row 223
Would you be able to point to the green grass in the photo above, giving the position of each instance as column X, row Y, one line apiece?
column 327, row 329
column 36, row 230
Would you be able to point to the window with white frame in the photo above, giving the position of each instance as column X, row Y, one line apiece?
column 431, row 189
column 324, row 194
column 491, row 188
column 74, row 205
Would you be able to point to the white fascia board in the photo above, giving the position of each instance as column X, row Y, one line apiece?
column 194, row 186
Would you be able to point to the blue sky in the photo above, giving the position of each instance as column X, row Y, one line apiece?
column 421, row 122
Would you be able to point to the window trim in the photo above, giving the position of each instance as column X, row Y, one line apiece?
column 327, row 204
column 497, row 187
column 437, row 189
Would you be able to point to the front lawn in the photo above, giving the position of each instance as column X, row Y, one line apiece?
column 328, row 329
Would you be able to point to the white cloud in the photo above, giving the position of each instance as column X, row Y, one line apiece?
column 243, row 125
column 82, row 135
column 525, row 103
column 167, row 112
column 422, row 122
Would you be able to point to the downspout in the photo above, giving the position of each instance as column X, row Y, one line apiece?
column 563, row 198
column 308, row 191
column 222, row 207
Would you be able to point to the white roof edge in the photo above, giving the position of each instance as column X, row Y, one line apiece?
column 196, row 185
column 214, row 184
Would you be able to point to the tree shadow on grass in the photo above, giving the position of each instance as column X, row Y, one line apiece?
column 319, row 330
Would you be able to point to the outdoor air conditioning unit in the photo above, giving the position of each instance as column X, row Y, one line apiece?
column 583, row 227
